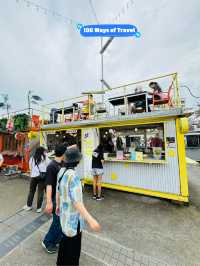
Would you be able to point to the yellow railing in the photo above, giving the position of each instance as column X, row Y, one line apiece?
column 164, row 80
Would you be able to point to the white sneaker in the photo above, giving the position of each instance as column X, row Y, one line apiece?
column 27, row 208
column 39, row 210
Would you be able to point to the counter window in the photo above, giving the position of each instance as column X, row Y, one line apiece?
column 67, row 137
column 134, row 142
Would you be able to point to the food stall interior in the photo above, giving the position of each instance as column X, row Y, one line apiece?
column 67, row 137
column 141, row 142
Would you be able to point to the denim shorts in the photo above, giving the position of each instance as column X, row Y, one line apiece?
column 97, row 171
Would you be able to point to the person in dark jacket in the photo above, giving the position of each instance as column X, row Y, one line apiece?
column 97, row 171
column 54, row 235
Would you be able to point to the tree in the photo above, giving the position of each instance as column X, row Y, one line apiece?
column 5, row 104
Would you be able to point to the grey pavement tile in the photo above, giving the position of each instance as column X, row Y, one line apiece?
column 5, row 232
column 115, row 255
column 151, row 263
column 162, row 264
column 117, row 247
column 100, row 256
column 124, row 251
column 136, row 263
column 109, row 251
column 107, row 258
column 119, row 263
column 103, row 255
column 122, row 258
column 31, row 213
column 18, row 221
column 129, row 261
column 94, row 252
column 46, row 225
column 15, row 239
column 106, row 244
column 145, row 260
column 101, row 249
column 131, row 254
column 113, row 262
column 141, row 258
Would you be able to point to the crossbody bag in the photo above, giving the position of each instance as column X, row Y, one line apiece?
column 42, row 174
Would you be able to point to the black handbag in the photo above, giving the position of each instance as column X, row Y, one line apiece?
column 42, row 174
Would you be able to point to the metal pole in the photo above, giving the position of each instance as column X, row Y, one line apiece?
column 178, row 100
column 63, row 112
column 7, row 107
column 29, row 104
column 102, row 70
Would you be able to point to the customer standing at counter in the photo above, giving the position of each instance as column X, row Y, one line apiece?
column 97, row 171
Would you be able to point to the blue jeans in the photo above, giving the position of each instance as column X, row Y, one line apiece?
column 54, row 234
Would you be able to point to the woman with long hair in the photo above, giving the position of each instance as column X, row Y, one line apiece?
column 97, row 172
column 38, row 165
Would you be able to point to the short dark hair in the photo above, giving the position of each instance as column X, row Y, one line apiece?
column 60, row 150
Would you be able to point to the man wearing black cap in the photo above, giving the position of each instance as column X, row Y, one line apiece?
column 54, row 234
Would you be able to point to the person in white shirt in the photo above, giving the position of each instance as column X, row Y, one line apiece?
column 38, row 165
column 1, row 160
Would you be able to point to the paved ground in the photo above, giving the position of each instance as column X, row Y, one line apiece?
column 12, row 195
column 137, row 230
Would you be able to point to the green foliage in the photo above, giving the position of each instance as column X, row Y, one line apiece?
column 3, row 123
column 21, row 122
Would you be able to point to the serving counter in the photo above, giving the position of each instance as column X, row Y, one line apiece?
column 148, row 161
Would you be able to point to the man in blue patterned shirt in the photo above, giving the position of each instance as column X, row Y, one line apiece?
column 70, row 207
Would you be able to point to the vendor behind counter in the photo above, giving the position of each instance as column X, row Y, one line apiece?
column 122, row 142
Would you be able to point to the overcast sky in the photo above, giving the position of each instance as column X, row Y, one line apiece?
column 47, row 55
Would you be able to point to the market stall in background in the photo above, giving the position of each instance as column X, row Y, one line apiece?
column 19, row 138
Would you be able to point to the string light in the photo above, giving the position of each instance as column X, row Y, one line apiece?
column 51, row 12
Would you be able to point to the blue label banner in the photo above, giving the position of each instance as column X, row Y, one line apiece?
column 109, row 30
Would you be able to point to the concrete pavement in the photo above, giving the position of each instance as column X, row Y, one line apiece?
column 136, row 230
